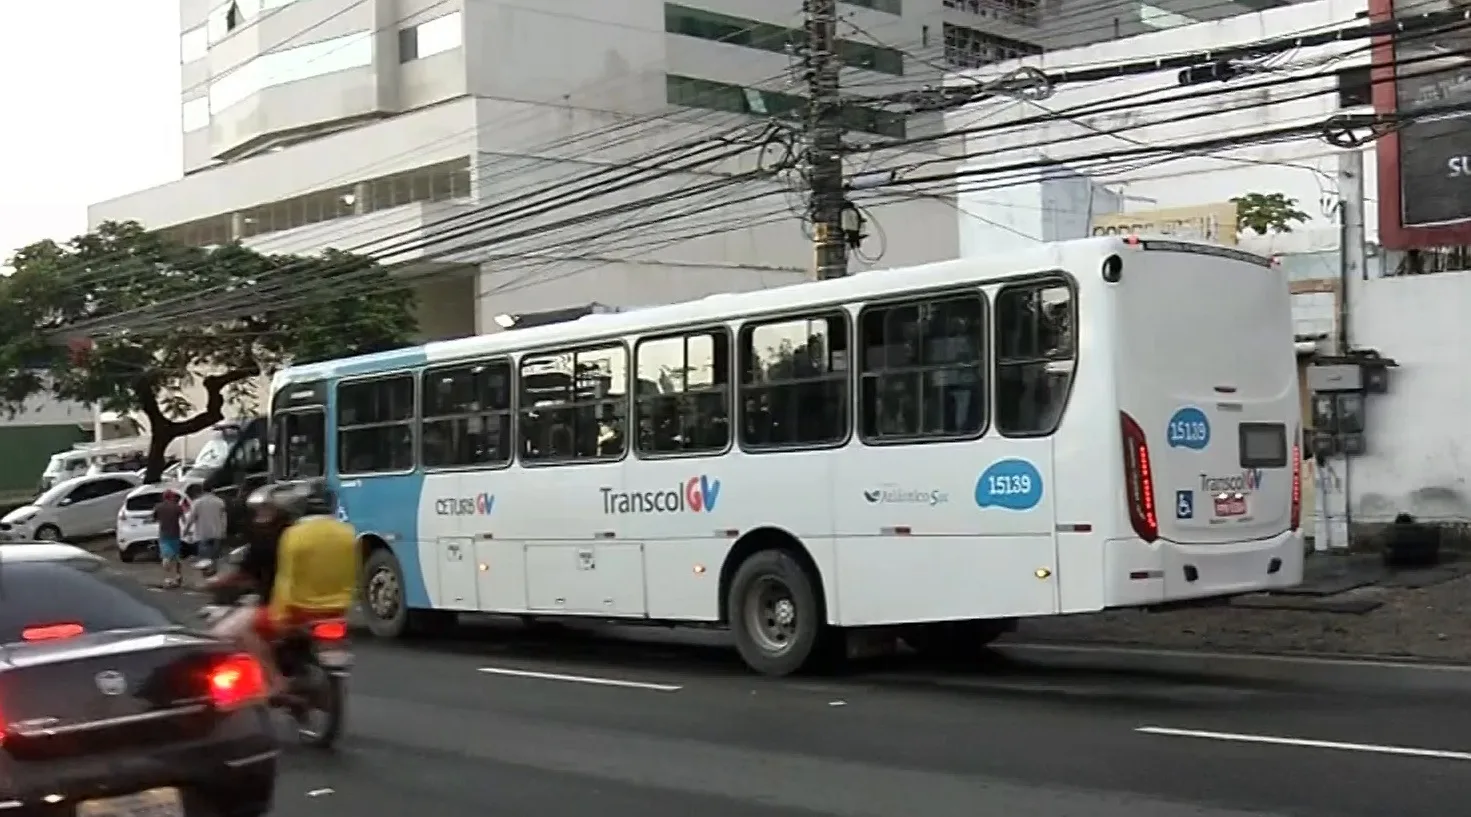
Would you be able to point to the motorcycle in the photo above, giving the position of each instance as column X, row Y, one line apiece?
column 316, row 662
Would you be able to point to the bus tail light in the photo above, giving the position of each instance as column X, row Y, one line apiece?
column 1296, row 485
column 1139, row 480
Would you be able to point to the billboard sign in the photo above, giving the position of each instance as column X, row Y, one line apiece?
column 1207, row 222
column 1425, row 165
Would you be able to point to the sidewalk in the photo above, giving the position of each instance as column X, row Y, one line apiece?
column 1348, row 605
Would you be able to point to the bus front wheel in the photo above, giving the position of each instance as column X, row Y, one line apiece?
column 387, row 613
column 383, row 597
column 774, row 614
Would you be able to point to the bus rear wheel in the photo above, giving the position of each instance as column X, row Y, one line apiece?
column 775, row 616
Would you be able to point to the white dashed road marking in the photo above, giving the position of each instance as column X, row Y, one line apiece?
column 1372, row 748
column 581, row 679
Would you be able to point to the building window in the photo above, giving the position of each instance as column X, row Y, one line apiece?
column 682, row 394
column 794, row 381
column 923, row 369
column 433, row 37
column 1016, row 12
column 291, row 65
column 887, row 6
column 1036, row 352
column 1156, row 17
column 1355, row 88
column 690, row 92
column 467, row 416
column 440, row 182
column 574, row 405
column 196, row 114
column 375, row 425
column 193, row 45
column 723, row 28
column 969, row 48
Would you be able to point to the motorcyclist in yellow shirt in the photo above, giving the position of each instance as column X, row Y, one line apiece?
column 308, row 573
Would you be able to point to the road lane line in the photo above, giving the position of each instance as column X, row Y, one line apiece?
column 581, row 679
column 1373, row 748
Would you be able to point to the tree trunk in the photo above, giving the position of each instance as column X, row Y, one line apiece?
column 162, row 431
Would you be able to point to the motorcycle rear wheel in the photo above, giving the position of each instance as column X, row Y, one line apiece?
column 326, row 700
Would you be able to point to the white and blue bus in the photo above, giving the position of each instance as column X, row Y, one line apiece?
column 942, row 449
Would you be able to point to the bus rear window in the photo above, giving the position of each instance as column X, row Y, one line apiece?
column 1263, row 445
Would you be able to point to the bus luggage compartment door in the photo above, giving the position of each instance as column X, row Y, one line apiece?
column 586, row 578
column 458, row 574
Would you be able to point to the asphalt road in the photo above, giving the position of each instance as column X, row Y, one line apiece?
column 506, row 722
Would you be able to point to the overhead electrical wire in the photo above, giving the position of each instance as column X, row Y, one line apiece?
column 594, row 188
column 529, row 160
column 636, row 122
column 1297, row 40
column 1154, row 123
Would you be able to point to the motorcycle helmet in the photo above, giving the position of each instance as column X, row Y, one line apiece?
column 288, row 501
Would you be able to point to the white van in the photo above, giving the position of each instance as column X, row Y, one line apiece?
column 63, row 466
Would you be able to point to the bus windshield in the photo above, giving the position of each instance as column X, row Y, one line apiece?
column 213, row 454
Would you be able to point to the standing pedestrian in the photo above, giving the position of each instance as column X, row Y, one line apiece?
column 169, row 513
column 207, row 515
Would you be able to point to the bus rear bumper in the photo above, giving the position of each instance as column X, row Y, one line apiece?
column 1141, row 573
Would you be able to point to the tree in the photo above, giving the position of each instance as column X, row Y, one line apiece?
column 124, row 319
column 1265, row 212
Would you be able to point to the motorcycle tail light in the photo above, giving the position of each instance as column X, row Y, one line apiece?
column 335, row 630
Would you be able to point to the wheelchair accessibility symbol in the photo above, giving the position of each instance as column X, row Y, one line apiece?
column 1184, row 504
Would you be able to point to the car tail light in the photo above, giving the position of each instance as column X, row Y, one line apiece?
column 335, row 630
column 1139, row 480
column 1296, row 486
column 237, row 681
column 52, row 632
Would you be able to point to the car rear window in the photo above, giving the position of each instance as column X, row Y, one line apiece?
column 74, row 591
column 144, row 502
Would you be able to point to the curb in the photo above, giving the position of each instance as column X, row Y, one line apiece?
column 1364, row 673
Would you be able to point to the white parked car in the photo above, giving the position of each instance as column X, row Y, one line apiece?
column 75, row 509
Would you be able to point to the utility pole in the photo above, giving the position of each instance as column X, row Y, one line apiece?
column 825, row 139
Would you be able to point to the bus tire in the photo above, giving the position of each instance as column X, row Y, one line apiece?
column 775, row 615
column 384, row 608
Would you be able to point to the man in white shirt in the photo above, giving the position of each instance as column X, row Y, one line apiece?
column 207, row 520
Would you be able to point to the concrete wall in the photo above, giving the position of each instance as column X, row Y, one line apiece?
column 1419, row 445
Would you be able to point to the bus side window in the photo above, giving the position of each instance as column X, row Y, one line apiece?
column 923, row 369
column 301, row 444
column 794, row 381
column 682, row 400
column 1035, row 353
column 574, row 404
column 375, row 425
column 467, row 415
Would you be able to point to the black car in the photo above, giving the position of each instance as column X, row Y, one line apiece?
column 112, row 706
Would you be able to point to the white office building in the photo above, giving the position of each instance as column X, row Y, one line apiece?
column 436, row 133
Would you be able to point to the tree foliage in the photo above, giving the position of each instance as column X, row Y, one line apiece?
column 1267, row 212
column 126, row 319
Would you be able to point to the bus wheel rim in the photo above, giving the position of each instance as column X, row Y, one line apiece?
column 383, row 593
column 772, row 616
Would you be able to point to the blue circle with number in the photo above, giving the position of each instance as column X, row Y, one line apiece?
column 1013, row 485
column 1189, row 428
